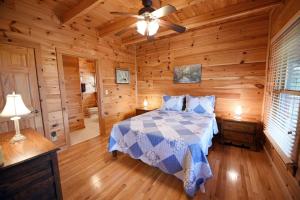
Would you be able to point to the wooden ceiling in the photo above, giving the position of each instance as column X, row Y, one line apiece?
column 95, row 14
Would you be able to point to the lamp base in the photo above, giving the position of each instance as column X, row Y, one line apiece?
column 17, row 138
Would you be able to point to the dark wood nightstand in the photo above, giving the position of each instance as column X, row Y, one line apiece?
column 142, row 110
column 30, row 169
column 244, row 131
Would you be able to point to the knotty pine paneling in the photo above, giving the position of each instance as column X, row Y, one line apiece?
column 283, row 14
column 33, row 21
column 74, row 102
column 87, row 69
column 233, row 58
column 279, row 18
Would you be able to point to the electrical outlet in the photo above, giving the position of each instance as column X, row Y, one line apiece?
column 106, row 92
column 53, row 136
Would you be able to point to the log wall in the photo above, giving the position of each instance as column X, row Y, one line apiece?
column 233, row 59
column 34, row 21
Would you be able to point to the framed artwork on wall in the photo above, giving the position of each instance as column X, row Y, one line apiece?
column 187, row 73
column 122, row 76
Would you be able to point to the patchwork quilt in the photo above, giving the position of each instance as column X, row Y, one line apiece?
column 175, row 142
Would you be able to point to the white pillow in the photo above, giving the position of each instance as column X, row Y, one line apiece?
column 173, row 103
column 204, row 104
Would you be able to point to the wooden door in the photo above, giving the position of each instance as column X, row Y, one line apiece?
column 73, row 96
column 18, row 73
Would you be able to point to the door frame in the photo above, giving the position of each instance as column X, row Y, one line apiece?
column 39, row 76
column 99, row 85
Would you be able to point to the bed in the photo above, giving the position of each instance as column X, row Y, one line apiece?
column 176, row 142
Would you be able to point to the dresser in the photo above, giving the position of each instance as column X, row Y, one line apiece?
column 244, row 132
column 30, row 169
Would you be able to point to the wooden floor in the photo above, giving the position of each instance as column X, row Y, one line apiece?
column 89, row 172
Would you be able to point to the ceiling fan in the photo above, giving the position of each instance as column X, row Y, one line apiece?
column 148, row 20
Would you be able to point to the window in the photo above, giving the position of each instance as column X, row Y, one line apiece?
column 283, row 94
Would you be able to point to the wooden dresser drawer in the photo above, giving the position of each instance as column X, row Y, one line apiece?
column 240, row 127
column 29, row 168
column 33, row 172
column 41, row 190
column 238, row 137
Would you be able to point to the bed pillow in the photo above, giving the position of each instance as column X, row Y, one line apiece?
column 205, row 104
column 174, row 103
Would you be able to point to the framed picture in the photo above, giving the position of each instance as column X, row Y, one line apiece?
column 122, row 76
column 187, row 74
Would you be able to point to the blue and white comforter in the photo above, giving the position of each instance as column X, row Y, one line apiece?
column 175, row 142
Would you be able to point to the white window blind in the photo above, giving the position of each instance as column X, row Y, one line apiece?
column 283, row 93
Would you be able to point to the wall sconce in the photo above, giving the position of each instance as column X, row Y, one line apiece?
column 145, row 103
column 238, row 112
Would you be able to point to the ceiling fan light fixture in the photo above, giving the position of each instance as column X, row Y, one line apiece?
column 153, row 27
column 148, row 20
column 148, row 28
column 142, row 27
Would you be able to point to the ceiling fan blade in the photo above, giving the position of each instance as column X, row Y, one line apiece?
column 127, row 14
column 163, row 11
column 125, row 30
column 175, row 27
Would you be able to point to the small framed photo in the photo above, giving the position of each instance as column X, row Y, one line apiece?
column 122, row 76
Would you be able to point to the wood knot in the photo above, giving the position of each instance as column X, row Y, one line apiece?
column 260, row 86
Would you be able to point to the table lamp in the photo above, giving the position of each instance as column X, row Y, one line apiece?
column 238, row 112
column 145, row 103
column 14, row 108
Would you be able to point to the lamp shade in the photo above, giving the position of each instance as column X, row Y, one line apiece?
column 14, row 106
column 238, row 110
column 145, row 103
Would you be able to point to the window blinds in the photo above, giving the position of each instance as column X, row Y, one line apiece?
column 283, row 93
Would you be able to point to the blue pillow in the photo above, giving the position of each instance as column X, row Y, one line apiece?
column 205, row 104
column 173, row 103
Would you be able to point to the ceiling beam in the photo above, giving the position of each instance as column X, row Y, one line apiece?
column 83, row 7
column 180, row 4
column 110, row 28
column 156, row 4
column 218, row 16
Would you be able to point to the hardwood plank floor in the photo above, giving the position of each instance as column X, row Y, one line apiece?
column 88, row 171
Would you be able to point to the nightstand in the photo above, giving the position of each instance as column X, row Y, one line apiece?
column 243, row 132
column 143, row 110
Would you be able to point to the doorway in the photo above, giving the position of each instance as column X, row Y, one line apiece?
column 81, row 97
